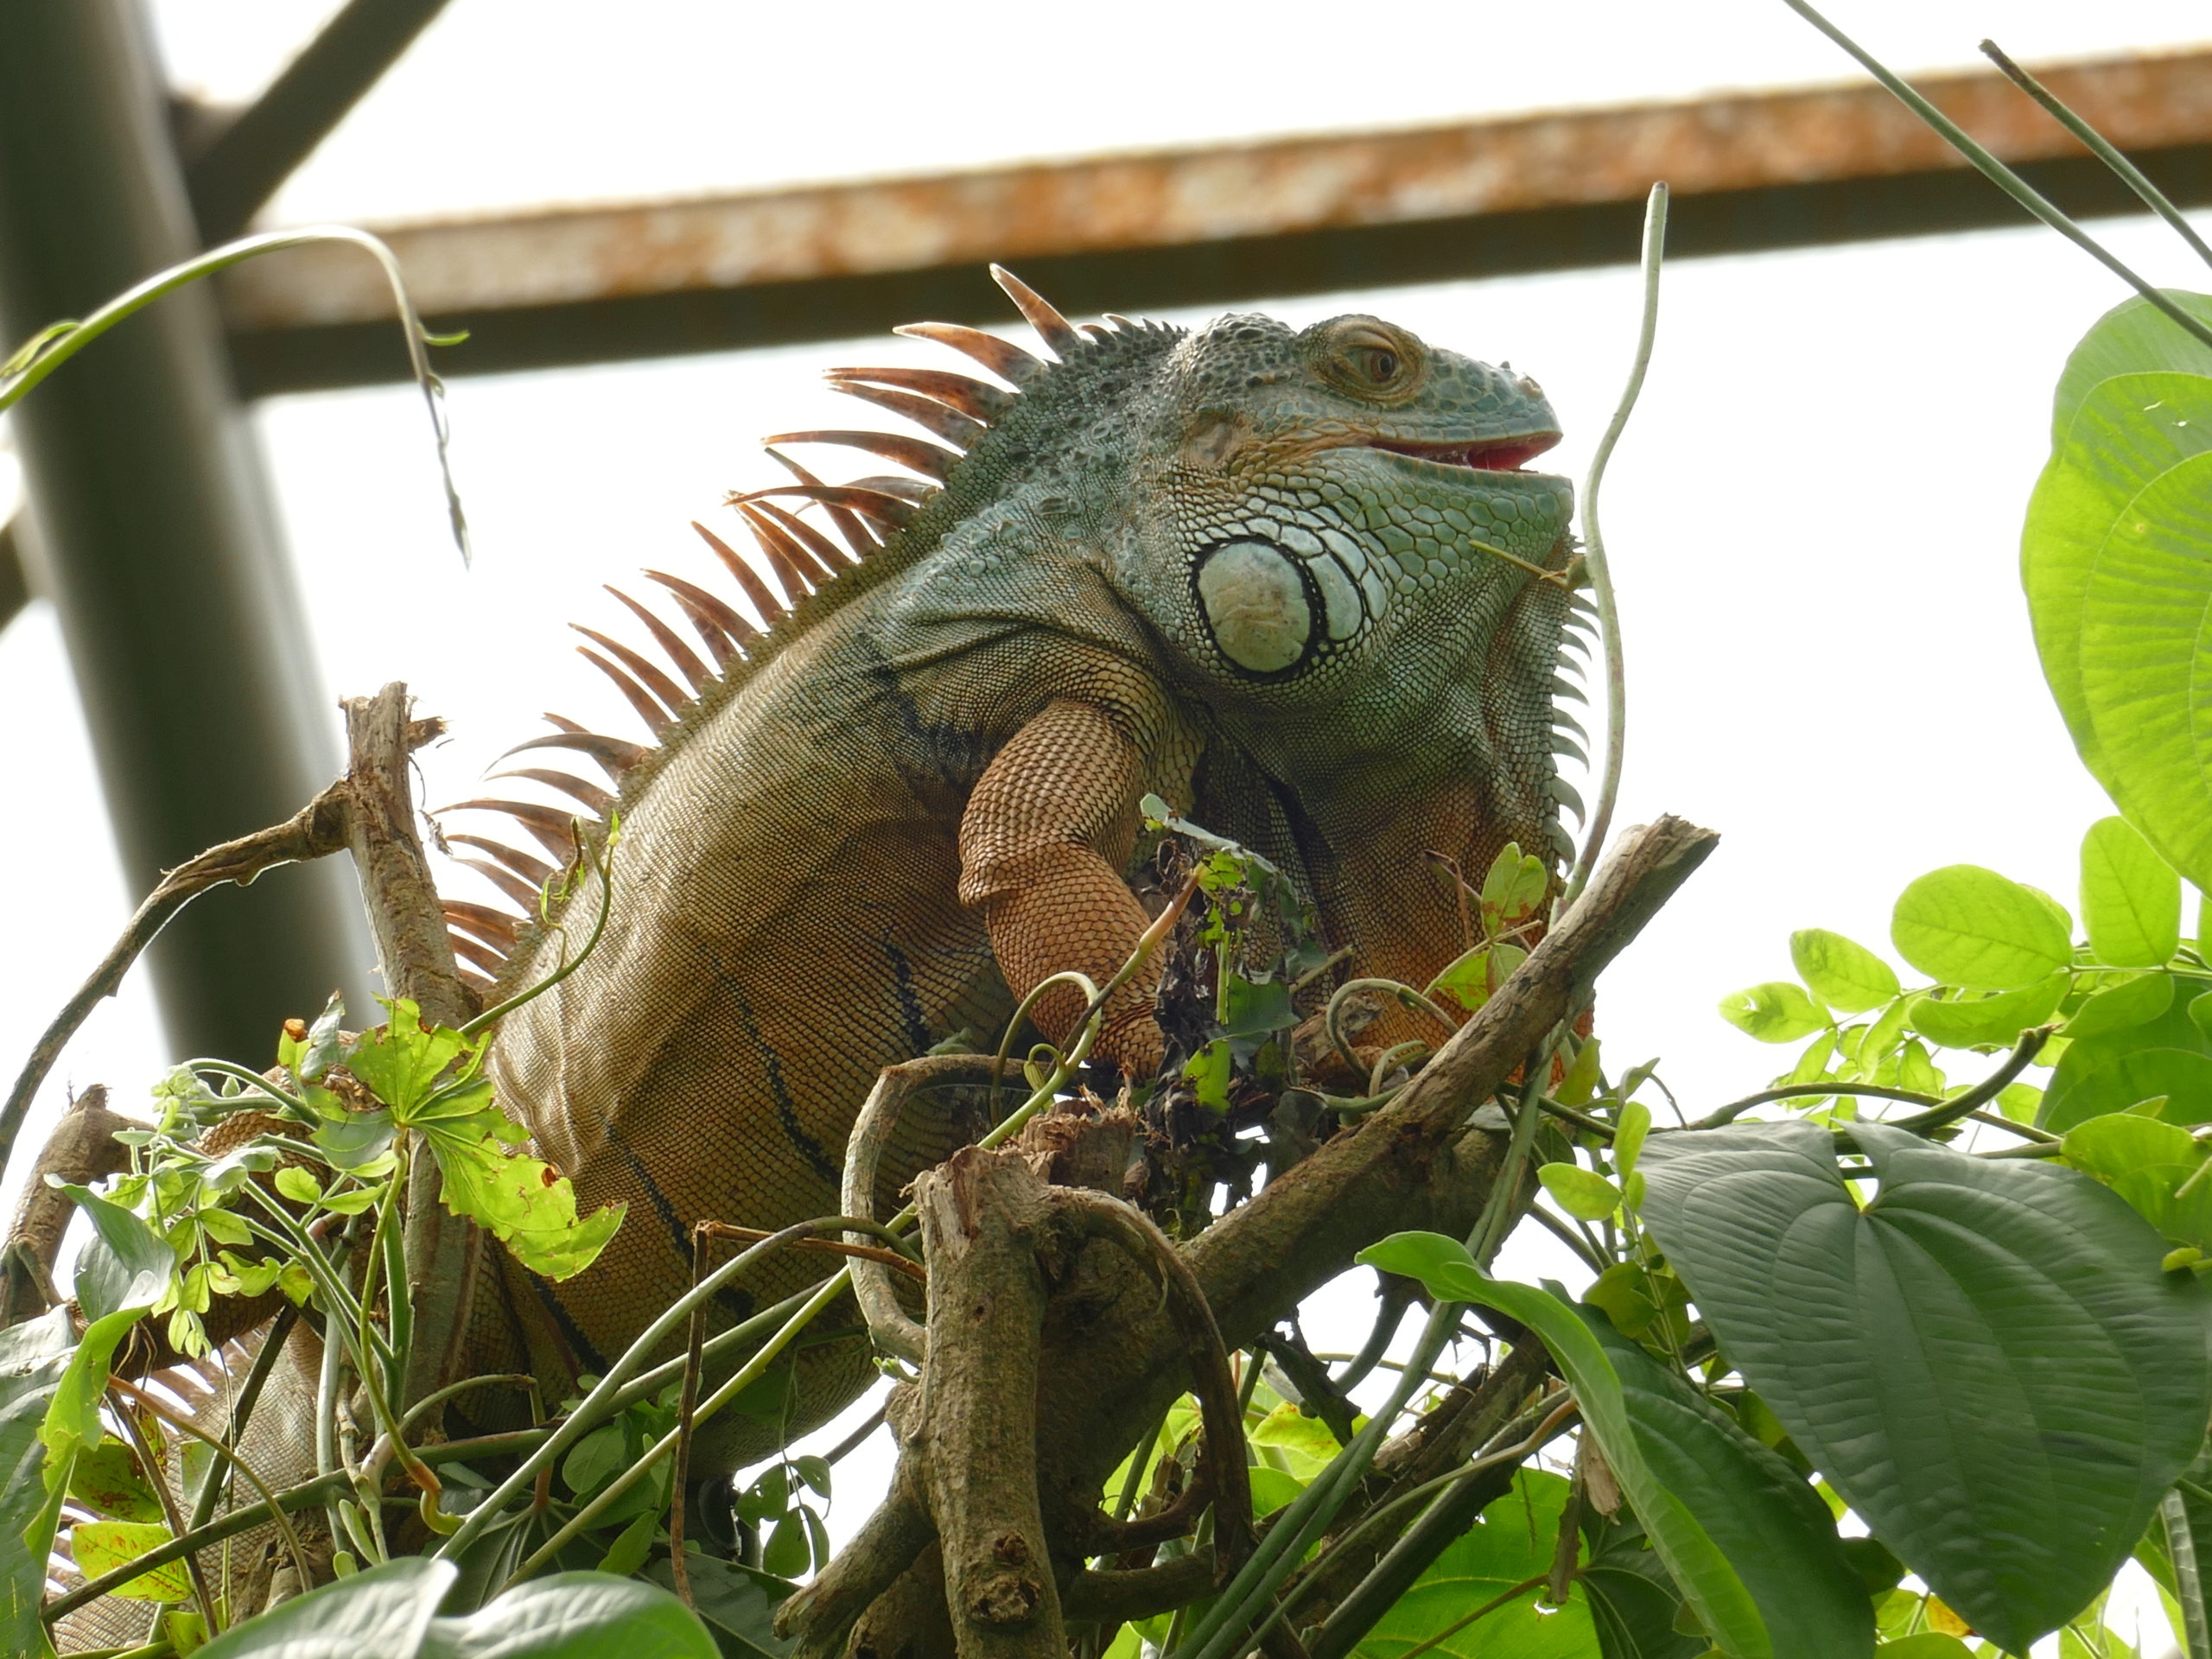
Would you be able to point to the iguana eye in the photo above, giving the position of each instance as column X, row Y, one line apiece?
column 1377, row 363
column 1369, row 358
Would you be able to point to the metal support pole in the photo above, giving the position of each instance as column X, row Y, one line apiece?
column 151, row 525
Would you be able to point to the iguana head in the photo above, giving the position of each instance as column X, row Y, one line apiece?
column 1332, row 506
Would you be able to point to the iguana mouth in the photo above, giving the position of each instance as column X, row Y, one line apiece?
column 1485, row 455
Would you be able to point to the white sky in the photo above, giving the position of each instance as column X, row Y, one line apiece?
column 1814, row 520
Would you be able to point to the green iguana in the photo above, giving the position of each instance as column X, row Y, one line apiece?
column 1295, row 582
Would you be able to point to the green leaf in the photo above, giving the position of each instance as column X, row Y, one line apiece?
column 1633, row 1605
column 125, row 1264
column 737, row 1604
column 1928, row 1644
column 1776, row 1012
column 354, row 1139
column 594, row 1459
column 786, row 1555
column 529, row 1205
column 1995, row 1020
column 384, row 1610
column 33, row 1357
column 1636, row 1299
column 320, row 1050
column 2165, row 1056
column 2133, row 337
column 1304, row 1442
column 72, row 1425
column 1972, row 928
column 630, row 1546
column 1251, row 1008
column 1273, row 1488
column 2122, row 1006
column 1908, row 1349
column 1511, row 1543
column 1513, row 889
column 295, row 1184
column 1630, row 1131
column 400, row 1062
column 2131, row 898
column 1208, row 1073
column 108, row 1481
column 2113, row 559
column 100, row 1547
column 2147, row 1162
column 814, row 1471
column 1753, row 1549
column 1582, row 1194
column 1841, row 972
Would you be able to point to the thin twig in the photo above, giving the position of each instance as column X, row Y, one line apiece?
column 855, row 1440
column 229, row 1453
column 2021, row 1057
column 241, row 1412
column 55, row 345
column 2001, row 176
column 1736, row 1108
column 2103, row 147
column 1487, row 1608
column 315, row 831
column 687, row 1402
column 170, row 1512
column 1601, row 580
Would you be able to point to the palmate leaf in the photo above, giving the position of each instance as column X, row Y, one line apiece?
column 1986, row 1363
column 1753, row 1548
column 2116, row 557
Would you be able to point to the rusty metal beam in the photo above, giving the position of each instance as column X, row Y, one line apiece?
column 1754, row 170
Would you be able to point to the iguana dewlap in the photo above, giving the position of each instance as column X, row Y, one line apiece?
column 1293, row 581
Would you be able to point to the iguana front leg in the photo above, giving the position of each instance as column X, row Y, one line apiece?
column 1043, row 843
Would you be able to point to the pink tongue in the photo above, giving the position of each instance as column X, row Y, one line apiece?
column 1506, row 457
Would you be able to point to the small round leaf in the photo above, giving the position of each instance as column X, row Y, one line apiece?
column 1776, row 1012
column 1841, row 972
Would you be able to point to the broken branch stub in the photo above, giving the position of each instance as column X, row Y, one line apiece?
column 986, row 1226
column 443, row 1249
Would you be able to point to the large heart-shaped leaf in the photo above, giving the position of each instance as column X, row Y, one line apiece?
column 738, row 1604
column 1633, row 1602
column 385, row 1611
column 33, row 1356
column 2116, row 556
column 1511, row 1544
column 1753, row 1548
column 124, row 1264
column 574, row 1616
column 1986, row 1363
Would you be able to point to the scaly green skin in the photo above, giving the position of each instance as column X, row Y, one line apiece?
column 1179, row 563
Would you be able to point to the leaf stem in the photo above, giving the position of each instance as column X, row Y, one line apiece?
column 55, row 345
column 1999, row 174
column 744, row 1376
column 1601, row 579
column 599, row 1403
column 2102, row 147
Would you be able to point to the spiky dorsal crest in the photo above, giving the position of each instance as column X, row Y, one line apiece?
column 802, row 574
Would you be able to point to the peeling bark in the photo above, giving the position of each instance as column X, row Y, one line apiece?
column 986, row 1227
